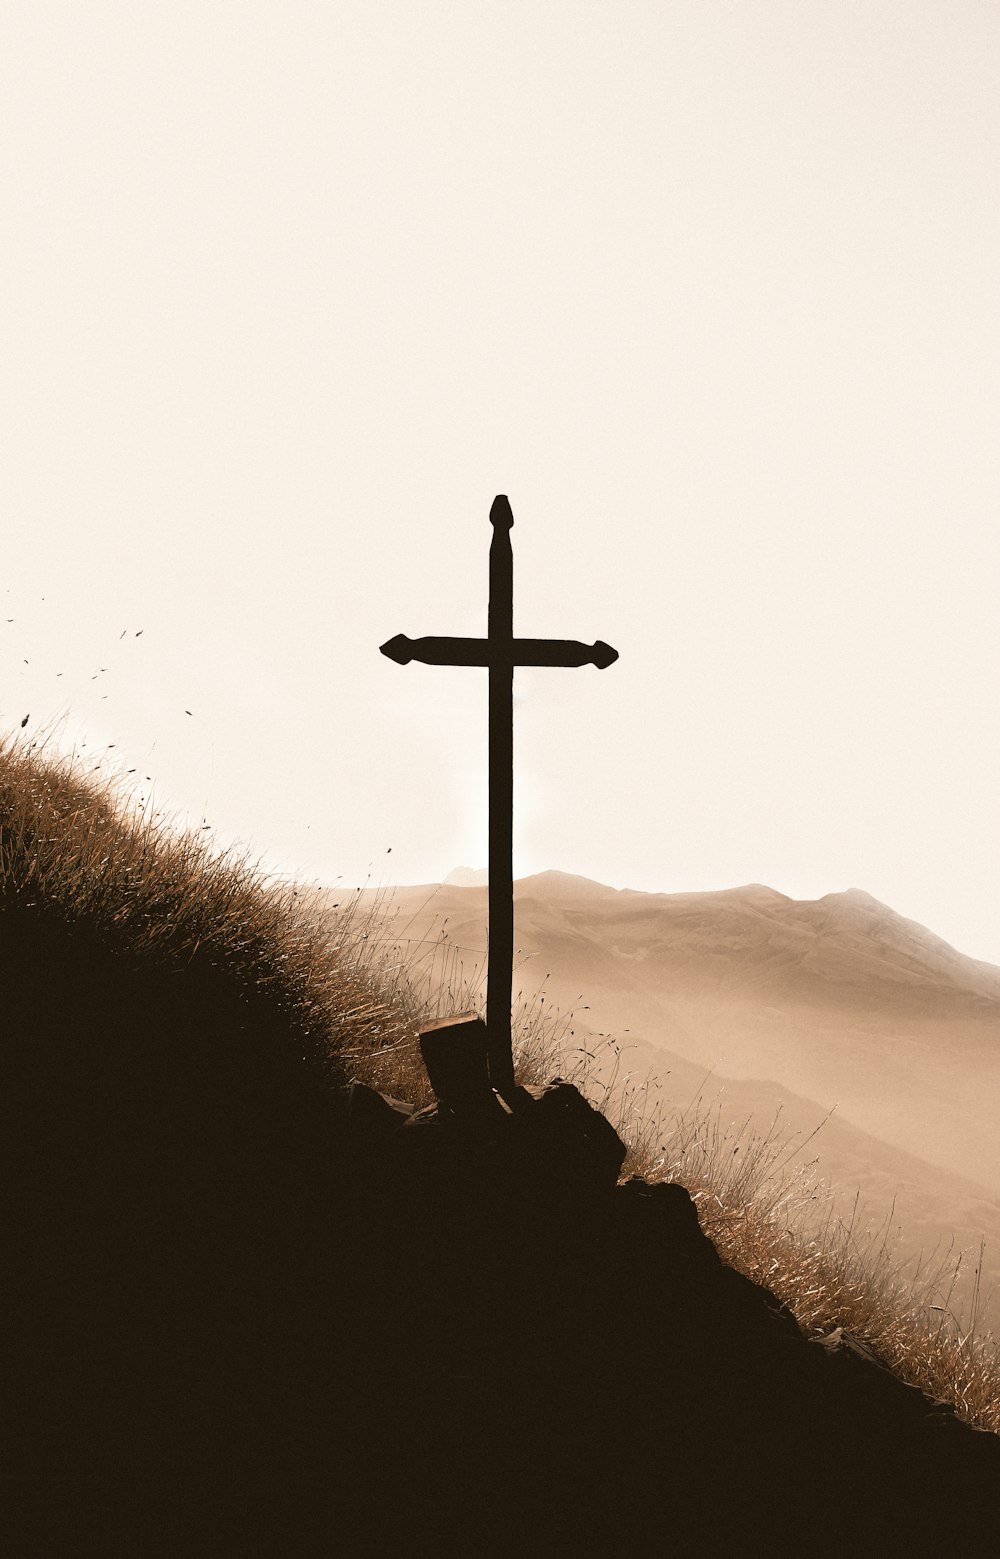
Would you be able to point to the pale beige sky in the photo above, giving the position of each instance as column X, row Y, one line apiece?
column 290, row 291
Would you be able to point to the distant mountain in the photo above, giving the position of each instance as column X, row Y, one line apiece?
column 467, row 877
column 839, row 999
column 840, row 947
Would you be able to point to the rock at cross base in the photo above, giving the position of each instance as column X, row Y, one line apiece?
column 552, row 1144
column 375, row 1113
column 565, row 1139
column 549, row 1131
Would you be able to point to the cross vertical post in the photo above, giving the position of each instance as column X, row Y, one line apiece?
column 500, row 960
column 500, row 652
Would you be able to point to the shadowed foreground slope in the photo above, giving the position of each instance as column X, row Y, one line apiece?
column 243, row 1318
column 438, row 1343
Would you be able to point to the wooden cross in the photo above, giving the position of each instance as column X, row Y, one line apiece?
column 500, row 652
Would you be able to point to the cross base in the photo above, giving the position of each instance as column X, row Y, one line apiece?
column 455, row 1052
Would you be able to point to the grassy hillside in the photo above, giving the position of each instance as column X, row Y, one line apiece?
column 204, row 1284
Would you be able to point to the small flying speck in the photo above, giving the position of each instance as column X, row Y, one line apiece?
column 25, row 721
column 122, row 634
column 26, row 663
column 141, row 630
column 188, row 712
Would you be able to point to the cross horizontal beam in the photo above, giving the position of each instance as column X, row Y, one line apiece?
column 435, row 650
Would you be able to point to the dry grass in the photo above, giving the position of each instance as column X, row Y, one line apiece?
column 773, row 1219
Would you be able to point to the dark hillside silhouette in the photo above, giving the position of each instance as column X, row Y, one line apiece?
column 249, row 1313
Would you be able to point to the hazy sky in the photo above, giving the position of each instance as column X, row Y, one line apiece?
column 712, row 290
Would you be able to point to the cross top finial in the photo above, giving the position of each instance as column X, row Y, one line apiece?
column 500, row 515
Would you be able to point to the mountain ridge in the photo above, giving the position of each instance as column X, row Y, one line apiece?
column 832, row 913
